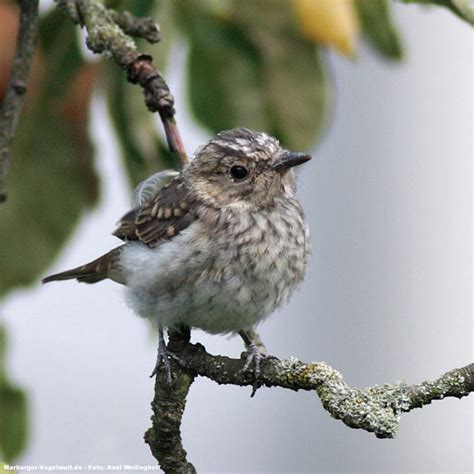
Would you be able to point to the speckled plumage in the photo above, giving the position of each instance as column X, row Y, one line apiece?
column 224, row 273
column 211, row 251
column 240, row 250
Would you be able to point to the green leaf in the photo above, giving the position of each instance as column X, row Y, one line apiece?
column 133, row 124
column 379, row 29
column 462, row 8
column 13, row 422
column 52, row 179
column 223, row 81
column 3, row 352
column 250, row 67
column 138, row 7
column 13, row 412
column 293, row 77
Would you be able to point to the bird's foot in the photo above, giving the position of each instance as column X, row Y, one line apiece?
column 254, row 358
column 163, row 358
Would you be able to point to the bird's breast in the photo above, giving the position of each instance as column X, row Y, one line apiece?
column 270, row 247
column 222, row 277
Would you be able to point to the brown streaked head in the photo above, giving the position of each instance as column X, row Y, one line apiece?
column 243, row 167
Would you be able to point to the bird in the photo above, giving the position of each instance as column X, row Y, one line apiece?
column 219, row 247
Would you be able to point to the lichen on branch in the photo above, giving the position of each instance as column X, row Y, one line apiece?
column 375, row 409
column 106, row 34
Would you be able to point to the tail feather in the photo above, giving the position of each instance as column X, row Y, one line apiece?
column 106, row 266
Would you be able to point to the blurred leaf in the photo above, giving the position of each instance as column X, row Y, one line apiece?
column 3, row 352
column 51, row 179
column 252, row 68
column 142, row 148
column 332, row 23
column 133, row 124
column 293, row 77
column 163, row 12
column 224, row 74
column 13, row 422
column 379, row 28
column 462, row 8
column 13, row 412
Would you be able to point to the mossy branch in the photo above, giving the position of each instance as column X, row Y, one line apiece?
column 376, row 409
column 145, row 28
column 164, row 436
column 106, row 34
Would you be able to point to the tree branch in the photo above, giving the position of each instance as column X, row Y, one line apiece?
column 145, row 28
column 375, row 409
column 11, row 107
column 105, row 36
column 164, row 436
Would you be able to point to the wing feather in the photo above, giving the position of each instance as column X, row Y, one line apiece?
column 161, row 217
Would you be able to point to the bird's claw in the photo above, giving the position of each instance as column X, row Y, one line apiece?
column 254, row 357
column 163, row 358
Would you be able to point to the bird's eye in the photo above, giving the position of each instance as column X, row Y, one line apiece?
column 239, row 172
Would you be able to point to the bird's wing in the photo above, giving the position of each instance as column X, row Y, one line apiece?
column 159, row 218
column 147, row 189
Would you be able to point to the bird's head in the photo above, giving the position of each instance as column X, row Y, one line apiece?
column 241, row 167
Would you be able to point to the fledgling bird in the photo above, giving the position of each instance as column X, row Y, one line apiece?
column 219, row 247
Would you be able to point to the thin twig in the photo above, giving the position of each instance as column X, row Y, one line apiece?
column 106, row 37
column 17, row 86
column 145, row 27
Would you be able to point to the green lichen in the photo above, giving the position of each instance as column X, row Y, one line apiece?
column 104, row 35
column 376, row 409
column 450, row 384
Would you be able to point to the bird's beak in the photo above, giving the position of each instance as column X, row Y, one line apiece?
column 290, row 159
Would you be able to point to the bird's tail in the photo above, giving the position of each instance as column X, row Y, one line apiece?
column 106, row 266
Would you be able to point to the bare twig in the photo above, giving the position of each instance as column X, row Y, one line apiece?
column 144, row 27
column 106, row 37
column 11, row 107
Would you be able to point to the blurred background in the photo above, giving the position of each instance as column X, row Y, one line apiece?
column 382, row 94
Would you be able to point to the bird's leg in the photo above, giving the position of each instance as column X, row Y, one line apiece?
column 162, row 357
column 255, row 337
column 178, row 339
column 254, row 357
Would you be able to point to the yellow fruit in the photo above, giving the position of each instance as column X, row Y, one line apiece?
column 329, row 22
